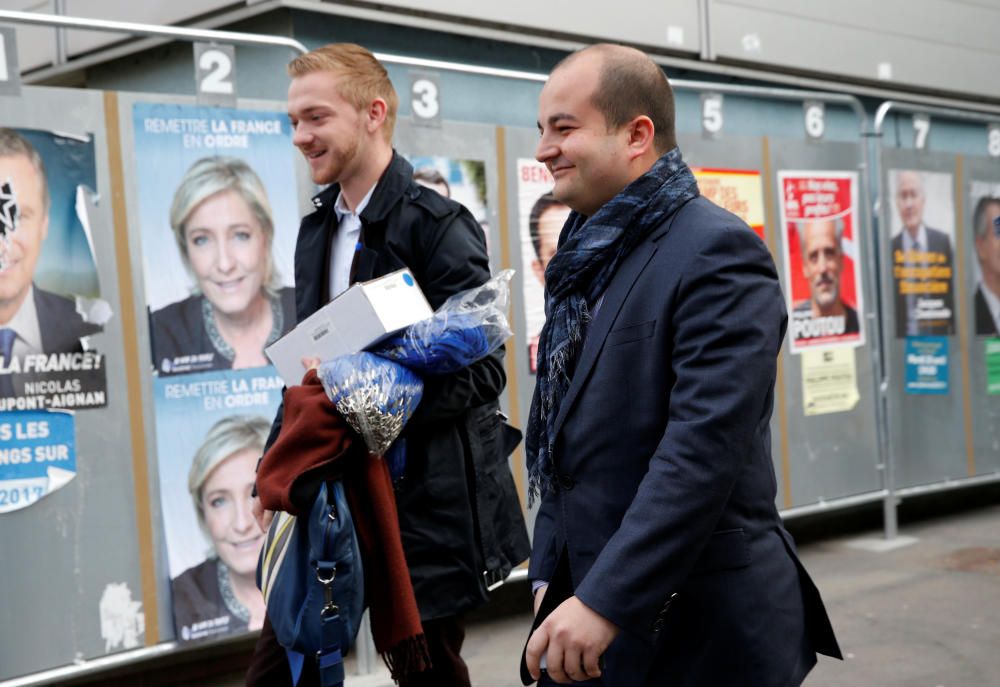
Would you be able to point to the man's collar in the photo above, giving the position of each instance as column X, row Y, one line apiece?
column 992, row 301
column 921, row 238
column 340, row 205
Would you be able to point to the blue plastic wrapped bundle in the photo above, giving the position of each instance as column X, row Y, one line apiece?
column 467, row 327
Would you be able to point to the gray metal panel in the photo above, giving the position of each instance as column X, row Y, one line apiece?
column 62, row 553
column 520, row 143
column 644, row 23
column 306, row 190
column 926, row 431
column 833, row 455
column 36, row 46
column 932, row 44
column 169, row 69
column 459, row 141
column 173, row 12
column 985, row 409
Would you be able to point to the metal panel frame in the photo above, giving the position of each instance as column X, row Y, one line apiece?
column 893, row 495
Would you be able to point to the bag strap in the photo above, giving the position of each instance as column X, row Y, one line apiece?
column 330, row 658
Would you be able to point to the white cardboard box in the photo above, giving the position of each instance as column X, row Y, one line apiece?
column 354, row 320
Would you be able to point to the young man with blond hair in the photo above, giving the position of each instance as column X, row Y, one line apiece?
column 373, row 219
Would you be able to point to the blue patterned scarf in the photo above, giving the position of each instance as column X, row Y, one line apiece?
column 589, row 252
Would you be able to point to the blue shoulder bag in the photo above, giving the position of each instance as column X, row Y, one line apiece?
column 311, row 576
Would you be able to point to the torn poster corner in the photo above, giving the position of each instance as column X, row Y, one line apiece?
column 94, row 310
column 122, row 622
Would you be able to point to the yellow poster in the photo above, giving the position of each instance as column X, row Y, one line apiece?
column 736, row 190
column 829, row 381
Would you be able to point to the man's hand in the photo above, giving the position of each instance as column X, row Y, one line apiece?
column 263, row 517
column 573, row 638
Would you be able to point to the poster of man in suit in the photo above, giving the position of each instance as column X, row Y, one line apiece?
column 51, row 312
column 985, row 235
column 922, row 226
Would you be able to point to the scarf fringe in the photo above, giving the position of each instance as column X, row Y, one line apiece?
column 410, row 656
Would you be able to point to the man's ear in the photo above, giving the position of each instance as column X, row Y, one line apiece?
column 377, row 111
column 640, row 136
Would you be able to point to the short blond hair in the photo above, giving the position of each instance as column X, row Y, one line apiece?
column 363, row 77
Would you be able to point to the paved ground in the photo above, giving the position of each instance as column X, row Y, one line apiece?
column 923, row 615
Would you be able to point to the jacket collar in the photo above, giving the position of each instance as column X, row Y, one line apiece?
column 391, row 185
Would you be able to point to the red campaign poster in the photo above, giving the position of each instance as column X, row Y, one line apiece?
column 822, row 259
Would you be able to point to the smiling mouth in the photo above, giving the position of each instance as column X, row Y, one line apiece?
column 230, row 285
column 248, row 544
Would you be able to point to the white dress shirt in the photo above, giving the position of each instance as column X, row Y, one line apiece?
column 345, row 242
column 25, row 324
column 919, row 244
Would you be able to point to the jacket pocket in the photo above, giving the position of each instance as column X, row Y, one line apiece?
column 631, row 332
column 726, row 550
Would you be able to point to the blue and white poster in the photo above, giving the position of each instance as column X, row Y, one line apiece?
column 37, row 456
column 927, row 365
column 52, row 315
column 218, row 216
column 210, row 431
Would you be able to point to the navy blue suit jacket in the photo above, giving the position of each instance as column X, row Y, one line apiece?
column 664, row 511
column 60, row 325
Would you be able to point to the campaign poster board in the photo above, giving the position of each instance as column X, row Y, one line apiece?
column 921, row 251
column 218, row 215
column 822, row 259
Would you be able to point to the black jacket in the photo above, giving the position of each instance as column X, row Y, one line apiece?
column 459, row 512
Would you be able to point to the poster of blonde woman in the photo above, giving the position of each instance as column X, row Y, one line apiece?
column 217, row 209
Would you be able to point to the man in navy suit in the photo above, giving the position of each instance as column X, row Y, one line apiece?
column 659, row 557
column 925, row 300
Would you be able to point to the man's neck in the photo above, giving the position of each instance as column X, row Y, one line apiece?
column 9, row 308
column 914, row 232
column 991, row 280
column 836, row 309
column 356, row 185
